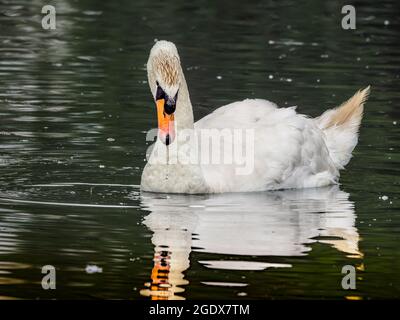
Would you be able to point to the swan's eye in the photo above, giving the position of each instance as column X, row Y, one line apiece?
column 160, row 94
column 176, row 97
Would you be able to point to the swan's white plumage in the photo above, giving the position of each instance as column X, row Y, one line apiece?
column 290, row 149
column 341, row 126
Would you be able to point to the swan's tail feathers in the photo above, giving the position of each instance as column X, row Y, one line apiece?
column 341, row 126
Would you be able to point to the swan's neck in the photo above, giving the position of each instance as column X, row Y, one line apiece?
column 184, row 111
column 168, row 170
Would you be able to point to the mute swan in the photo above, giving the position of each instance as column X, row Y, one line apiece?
column 282, row 149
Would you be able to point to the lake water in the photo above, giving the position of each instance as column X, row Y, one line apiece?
column 74, row 111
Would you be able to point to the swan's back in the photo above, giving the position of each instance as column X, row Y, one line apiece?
column 284, row 149
column 249, row 113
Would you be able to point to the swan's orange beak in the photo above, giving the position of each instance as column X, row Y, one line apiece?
column 166, row 128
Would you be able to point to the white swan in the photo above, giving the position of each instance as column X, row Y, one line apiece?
column 282, row 149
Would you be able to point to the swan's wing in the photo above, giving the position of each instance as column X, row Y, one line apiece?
column 272, row 148
column 249, row 113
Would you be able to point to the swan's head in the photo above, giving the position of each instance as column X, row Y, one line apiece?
column 164, row 75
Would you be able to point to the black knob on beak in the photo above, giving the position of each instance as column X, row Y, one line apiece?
column 169, row 108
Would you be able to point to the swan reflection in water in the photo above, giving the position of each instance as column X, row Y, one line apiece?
column 280, row 223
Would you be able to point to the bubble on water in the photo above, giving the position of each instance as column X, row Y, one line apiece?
column 386, row 22
column 219, row 77
column 271, row 41
column 102, row 166
column 110, row 139
column 92, row 13
column 394, row 123
column 242, row 294
column 86, row 58
column 270, row 76
column 384, row 198
column 93, row 269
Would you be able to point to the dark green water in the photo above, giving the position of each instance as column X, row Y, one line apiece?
column 74, row 111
